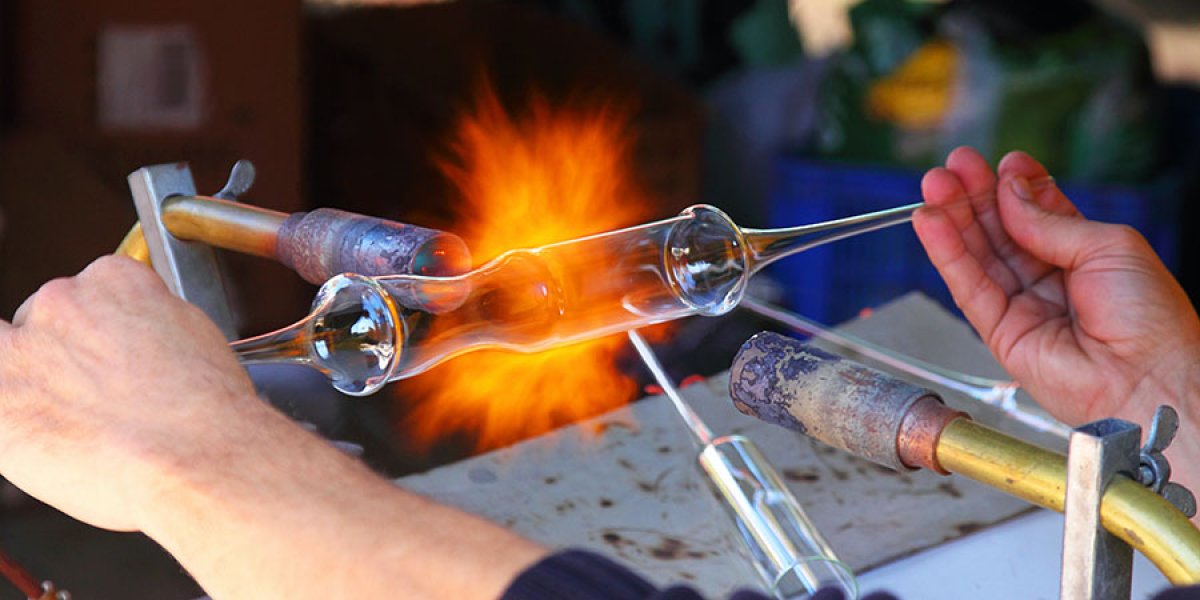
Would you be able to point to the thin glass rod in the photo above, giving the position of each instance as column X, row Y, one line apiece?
column 694, row 423
column 288, row 345
column 769, row 245
column 995, row 392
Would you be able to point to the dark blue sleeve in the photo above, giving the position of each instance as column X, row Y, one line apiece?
column 1180, row 593
column 577, row 574
column 583, row 575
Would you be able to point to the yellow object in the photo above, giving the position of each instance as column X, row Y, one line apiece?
column 134, row 245
column 224, row 224
column 216, row 222
column 1130, row 511
column 919, row 93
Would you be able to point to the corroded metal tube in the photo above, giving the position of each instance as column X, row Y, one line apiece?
column 317, row 245
column 839, row 402
column 327, row 242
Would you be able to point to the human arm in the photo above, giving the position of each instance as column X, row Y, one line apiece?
column 1083, row 314
column 122, row 406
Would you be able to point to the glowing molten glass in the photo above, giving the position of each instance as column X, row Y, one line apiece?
column 546, row 175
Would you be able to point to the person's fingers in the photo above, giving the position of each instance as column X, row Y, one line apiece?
column 979, row 183
column 1018, row 162
column 973, row 171
column 120, row 274
column 1060, row 239
column 943, row 189
column 52, row 296
column 982, row 300
column 22, row 313
column 109, row 277
column 1045, row 191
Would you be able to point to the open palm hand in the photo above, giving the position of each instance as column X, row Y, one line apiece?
column 1083, row 314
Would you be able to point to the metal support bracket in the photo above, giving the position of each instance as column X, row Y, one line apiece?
column 188, row 268
column 1096, row 565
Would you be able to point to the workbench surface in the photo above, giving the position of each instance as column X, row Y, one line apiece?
column 626, row 484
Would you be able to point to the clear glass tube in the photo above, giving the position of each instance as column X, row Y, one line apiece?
column 785, row 546
column 698, row 262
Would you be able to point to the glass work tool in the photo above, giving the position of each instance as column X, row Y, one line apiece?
column 996, row 392
column 787, row 549
column 698, row 262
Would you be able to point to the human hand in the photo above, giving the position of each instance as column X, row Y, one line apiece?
column 1083, row 314
column 107, row 384
column 123, row 406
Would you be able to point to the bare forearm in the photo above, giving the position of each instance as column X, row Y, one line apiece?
column 163, row 433
column 289, row 517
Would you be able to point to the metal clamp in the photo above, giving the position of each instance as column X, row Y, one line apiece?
column 1096, row 564
column 188, row 268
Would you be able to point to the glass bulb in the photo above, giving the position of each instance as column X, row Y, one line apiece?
column 353, row 335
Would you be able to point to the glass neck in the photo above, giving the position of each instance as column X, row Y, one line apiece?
column 766, row 246
column 287, row 345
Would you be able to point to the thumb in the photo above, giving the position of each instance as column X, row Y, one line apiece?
column 1064, row 240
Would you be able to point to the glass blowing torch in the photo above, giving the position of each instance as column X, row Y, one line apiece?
column 364, row 331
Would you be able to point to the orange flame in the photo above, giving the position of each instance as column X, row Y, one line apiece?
column 547, row 175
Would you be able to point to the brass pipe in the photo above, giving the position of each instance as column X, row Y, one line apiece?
column 1132, row 512
column 224, row 224
column 221, row 223
column 134, row 245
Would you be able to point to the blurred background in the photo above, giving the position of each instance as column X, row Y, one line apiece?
column 778, row 112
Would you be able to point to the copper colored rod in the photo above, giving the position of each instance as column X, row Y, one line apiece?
column 230, row 225
column 221, row 223
column 134, row 245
